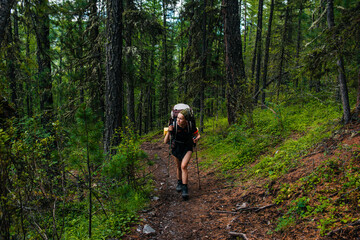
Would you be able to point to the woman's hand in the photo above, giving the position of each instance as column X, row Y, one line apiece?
column 196, row 138
column 171, row 128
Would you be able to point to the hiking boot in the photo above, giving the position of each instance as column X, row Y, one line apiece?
column 179, row 186
column 185, row 193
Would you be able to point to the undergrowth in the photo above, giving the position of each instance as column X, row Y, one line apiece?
column 277, row 137
column 276, row 142
column 50, row 178
column 329, row 195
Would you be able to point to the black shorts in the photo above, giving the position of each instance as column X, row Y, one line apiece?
column 180, row 149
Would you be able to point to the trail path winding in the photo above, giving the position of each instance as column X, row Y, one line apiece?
column 224, row 209
column 169, row 215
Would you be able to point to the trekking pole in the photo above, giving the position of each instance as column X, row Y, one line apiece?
column 197, row 164
column 168, row 165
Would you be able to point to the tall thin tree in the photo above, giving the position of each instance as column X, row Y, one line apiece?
column 5, row 7
column 340, row 63
column 42, row 31
column 114, row 79
column 203, row 65
column 284, row 43
column 258, row 51
column 235, row 70
column 267, row 49
column 128, row 29
column 165, row 65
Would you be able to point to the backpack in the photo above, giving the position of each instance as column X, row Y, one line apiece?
column 173, row 116
column 176, row 110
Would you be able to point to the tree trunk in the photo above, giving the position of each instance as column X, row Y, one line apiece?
column 235, row 71
column 267, row 48
column 258, row 51
column 165, row 97
column 11, row 61
column 340, row 63
column 43, row 58
column 298, row 45
column 5, row 7
column 203, row 65
column 28, row 82
column 129, row 65
column 96, row 72
column 283, row 44
column 245, row 25
column 140, row 111
column 150, row 103
column 6, row 199
column 114, row 80
column 358, row 94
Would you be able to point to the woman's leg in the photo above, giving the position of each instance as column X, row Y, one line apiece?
column 178, row 168
column 184, row 165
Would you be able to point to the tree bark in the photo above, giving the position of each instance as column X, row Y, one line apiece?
column 258, row 51
column 5, row 7
column 96, row 72
column 340, row 63
column 235, row 71
column 165, row 97
column 358, row 94
column 43, row 58
column 11, row 61
column 267, row 48
column 298, row 45
column 6, row 113
column 129, row 64
column 245, row 25
column 203, row 65
column 283, row 44
column 114, row 79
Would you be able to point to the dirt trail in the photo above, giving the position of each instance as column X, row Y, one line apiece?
column 220, row 207
column 170, row 216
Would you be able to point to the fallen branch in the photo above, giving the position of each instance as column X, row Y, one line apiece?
column 256, row 209
column 236, row 234
column 225, row 212
column 264, row 207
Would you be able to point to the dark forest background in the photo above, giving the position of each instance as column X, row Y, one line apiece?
column 82, row 80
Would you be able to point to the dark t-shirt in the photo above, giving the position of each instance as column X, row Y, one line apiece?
column 182, row 140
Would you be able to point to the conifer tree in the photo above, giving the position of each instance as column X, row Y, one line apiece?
column 114, row 79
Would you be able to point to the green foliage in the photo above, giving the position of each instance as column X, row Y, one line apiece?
column 85, row 138
column 129, row 159
column 114, row 226
column 297, row 209
column 313, row 196
column 277, row 140
column 49, row 176
column 306, row 123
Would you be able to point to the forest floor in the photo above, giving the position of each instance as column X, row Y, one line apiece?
column 224, row 209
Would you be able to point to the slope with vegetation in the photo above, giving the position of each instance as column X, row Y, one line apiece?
column 297, row 161
column 289, row 173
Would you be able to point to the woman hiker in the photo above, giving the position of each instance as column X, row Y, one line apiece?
column 183, row 141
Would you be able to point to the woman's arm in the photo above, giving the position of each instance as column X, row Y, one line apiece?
column 167, row 136
column 166, row 139
column 196, row 137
